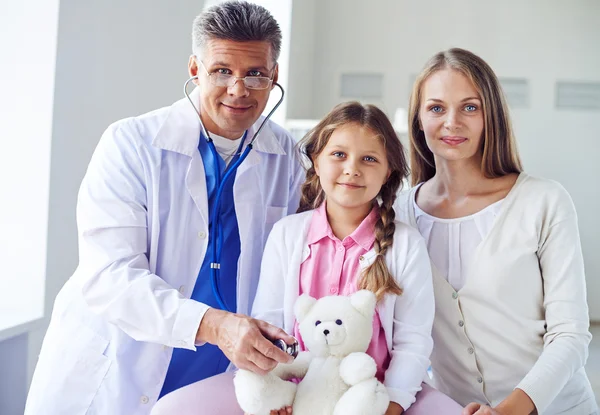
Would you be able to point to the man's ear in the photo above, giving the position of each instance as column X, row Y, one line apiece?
column 193, row 67
column 275, row 76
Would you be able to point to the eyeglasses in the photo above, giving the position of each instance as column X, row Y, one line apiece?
column 228, row 80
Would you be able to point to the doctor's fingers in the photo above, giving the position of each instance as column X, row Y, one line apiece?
column 272, row 332
column 271, row 352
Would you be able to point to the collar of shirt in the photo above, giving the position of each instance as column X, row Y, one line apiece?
column 363, row 235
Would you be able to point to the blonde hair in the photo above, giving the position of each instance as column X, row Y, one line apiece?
column 499, row 150
column 376, row 277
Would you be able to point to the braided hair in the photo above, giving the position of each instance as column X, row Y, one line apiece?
column 376, row 277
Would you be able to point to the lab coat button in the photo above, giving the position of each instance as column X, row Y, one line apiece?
column 201, row 235
column 461, row 323
column 480, row 379
column 470, row 350
column 455, row 295
column 144, row 399
column 182, row 289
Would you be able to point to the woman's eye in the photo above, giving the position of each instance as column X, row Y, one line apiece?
column 436, row 108
column 338, row 154
column 370, row 159
column 471, row 108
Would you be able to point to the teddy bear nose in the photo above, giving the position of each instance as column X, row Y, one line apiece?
column 326, row 332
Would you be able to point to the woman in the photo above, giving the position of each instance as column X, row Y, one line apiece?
column 511, row 326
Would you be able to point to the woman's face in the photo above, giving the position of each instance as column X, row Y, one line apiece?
column 451, row 116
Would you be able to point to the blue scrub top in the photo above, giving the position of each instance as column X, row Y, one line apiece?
column 189, row 366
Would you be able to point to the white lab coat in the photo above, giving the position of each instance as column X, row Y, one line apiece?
column 142, row 216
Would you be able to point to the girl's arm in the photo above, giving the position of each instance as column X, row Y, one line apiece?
column 413, row 318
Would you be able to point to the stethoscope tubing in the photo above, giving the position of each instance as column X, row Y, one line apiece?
column 216, row 247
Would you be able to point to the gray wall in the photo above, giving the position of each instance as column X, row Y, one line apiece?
column 115, row 59
column 539, row 40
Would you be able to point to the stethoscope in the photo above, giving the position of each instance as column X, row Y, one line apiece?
column 215, row 243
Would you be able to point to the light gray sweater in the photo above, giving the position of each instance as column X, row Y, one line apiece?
column 521, row 320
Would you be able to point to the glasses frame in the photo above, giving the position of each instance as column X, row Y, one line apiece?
column 232, row 79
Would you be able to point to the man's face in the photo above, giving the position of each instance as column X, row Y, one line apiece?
column 228, row 111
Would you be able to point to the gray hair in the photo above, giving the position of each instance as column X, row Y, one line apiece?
column 239, row 21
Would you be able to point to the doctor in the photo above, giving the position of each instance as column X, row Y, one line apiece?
column 139, row 318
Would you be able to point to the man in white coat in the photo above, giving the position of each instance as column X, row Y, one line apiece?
column 140, row 317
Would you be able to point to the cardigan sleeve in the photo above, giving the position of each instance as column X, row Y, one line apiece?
column 566, row 312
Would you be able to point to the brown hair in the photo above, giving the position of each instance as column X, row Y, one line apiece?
column 376, row 277
column 500, row 155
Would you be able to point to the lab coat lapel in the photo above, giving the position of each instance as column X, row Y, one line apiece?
column 180, row 133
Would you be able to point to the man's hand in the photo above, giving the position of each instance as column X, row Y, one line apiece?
column 244, row 340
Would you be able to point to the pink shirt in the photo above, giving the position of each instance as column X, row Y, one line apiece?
column 333, row 268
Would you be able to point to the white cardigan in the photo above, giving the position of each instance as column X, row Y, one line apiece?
column 406, row 319
column 521, row 319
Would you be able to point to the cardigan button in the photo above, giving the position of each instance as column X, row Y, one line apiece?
column 480, row 379
column 455, row 295
column 461, row 323
column 470, row 350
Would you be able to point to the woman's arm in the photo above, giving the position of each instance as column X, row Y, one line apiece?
column 567, row 335
column 413, row 319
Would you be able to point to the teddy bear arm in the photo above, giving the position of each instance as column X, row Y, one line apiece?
column 357, row 367
column 296, row 369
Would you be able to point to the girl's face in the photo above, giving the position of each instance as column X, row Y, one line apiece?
column 352, row 167
column 451, row 116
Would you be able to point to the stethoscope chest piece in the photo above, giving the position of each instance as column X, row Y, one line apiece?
column 291, row 349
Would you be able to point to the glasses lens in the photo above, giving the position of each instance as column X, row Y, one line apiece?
column 220, row 79
column 251, row 82
column 257, row 82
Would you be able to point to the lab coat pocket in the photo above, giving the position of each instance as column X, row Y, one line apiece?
column 70, row 370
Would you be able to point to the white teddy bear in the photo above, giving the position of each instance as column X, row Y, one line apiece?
column 338, row 377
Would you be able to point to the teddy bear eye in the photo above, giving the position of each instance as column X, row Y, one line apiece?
column 338, row 322
column 317, row 322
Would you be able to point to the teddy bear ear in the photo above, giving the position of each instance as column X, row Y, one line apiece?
column 364, row 301
column 303, row 305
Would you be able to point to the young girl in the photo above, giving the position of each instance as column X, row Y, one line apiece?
column 346, row 238
column 511, row 325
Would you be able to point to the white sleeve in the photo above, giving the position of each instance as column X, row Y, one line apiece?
column 113, row 264
column 296, row 182
column 268, row 302
column 567, row 334
column 413, row 320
